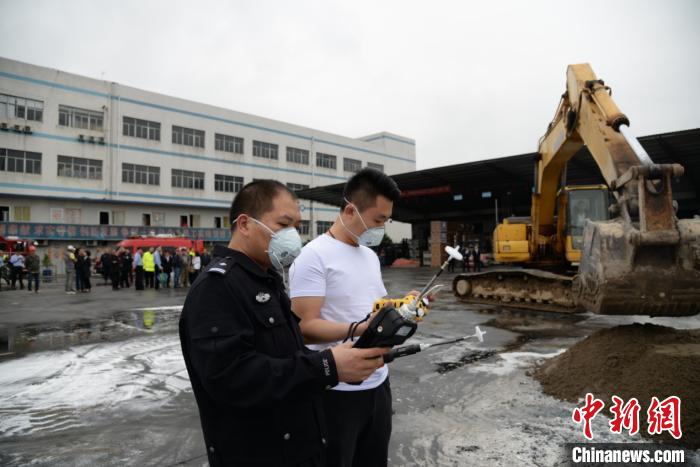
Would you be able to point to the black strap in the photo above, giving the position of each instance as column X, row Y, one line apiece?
column 350, row 331
column 353, row 327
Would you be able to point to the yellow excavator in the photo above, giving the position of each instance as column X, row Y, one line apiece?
column 616, row 248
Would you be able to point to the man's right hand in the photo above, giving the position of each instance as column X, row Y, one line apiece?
column 355, row 365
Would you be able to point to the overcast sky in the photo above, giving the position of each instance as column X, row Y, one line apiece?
column 467, row 80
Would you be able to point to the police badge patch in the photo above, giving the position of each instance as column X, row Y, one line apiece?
column 262, row 297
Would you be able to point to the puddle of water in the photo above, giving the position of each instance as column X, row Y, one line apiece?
column 22, row 340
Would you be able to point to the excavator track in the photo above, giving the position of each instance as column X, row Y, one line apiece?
column 529, row 289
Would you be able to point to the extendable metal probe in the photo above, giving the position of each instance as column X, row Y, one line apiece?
column 415, row 348
column 452, row 253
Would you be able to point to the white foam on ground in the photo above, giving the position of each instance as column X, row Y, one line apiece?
column 131, row 375
column 500, row 421
column 509, row 362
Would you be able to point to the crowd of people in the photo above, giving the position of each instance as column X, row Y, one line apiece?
column 153, row 268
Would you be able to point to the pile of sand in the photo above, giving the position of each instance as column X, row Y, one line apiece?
column 633, row 361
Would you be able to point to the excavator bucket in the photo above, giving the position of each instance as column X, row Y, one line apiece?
column 650, row 267
column 619, row 277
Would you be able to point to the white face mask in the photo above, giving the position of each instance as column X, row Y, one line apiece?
column 284, row 247
column 370, row 237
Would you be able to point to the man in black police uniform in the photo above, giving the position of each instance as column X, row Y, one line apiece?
column 257, row 387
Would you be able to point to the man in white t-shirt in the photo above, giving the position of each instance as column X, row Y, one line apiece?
column 333, row 283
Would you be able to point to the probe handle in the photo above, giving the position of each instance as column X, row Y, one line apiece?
column 401, row 352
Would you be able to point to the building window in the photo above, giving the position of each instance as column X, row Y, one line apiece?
column 143, row 129
column 298, row 156
column 158, row 219
column 80, row 118
column 187, row 179
column 26, row 162
column 322, row 227
column 228, row 183
column 297, row 186
column 228, row 143
column 141, row 174
column 351, row 165
column 22, row 214
column 104, row 217
column 146, row 219
column 327, row 161
column 265, row 150
column 304, row 227
column 195, row 220
column 78, row 167
column 188, row 137
column 22, row 108
column 118, row 217
column 4, row 213
column 73, row 215
column 379, row 167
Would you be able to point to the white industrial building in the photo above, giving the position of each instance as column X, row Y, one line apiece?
column 91, row 161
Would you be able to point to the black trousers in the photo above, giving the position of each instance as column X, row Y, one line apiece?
column 17, row 273
column 115, row 279
column 124, row 279
column 139, row 278
column 33, row 277
column 359, row 426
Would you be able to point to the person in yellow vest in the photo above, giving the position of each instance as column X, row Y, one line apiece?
column 149, row 268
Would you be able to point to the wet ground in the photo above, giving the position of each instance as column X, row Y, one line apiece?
column 98, row 379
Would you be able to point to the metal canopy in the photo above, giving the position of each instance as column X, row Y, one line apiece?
column 473, row 186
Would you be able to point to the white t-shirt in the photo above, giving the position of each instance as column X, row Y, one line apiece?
column 350, row 279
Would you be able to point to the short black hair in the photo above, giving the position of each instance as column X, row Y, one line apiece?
column 363, row 188
column 255, row 199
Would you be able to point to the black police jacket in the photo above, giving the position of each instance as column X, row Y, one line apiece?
column 258, row 388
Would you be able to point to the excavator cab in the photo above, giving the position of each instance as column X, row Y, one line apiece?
column 582, row 203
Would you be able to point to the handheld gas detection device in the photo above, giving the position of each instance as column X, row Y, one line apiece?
column 397, row 319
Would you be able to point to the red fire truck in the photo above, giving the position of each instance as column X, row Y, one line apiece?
column 10, row 245
column 164, row 241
